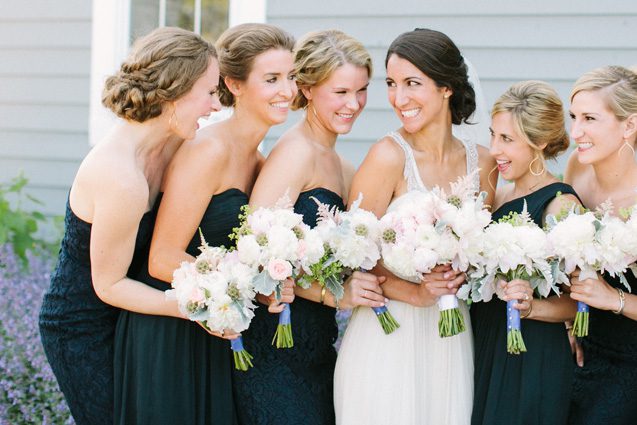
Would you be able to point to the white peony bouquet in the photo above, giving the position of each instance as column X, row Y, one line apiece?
column 425, row 229
column 514, row 248
column 351, row 243
column 277, row 243
column 593, row 242
column 216, row 290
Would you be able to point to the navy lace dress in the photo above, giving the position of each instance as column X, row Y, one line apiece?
column 77, row 328
column 605, row 389
column 291, row 385
column 530, row 388
column 170, row 371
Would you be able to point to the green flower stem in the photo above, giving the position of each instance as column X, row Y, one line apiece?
column 283, row 337
column 242, row 360
column 580, row 325
column 515, row 343
column 451, row 322
column 387, row 322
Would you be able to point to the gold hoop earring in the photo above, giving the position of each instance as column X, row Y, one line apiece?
column 538, row 173
column 489, row 177
column 632, row 149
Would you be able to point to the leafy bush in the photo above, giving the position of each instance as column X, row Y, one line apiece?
column 19, row 227
column 29, row 393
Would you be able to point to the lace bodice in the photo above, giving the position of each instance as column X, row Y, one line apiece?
column 411, row 173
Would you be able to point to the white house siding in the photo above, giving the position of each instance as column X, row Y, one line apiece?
column 44, row 93
column 507, row 41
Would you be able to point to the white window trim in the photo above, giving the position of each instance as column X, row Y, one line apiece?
column 109, row 46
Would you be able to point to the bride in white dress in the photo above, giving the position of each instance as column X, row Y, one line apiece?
column 413, row 376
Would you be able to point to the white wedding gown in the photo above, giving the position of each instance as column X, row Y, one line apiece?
column 412, row 376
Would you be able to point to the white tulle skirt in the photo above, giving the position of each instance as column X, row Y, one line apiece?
column 412, row 376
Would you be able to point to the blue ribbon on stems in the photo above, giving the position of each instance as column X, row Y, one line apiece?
column 515, row 343
column 242, row 359
column 283, row 335
column 580, row 325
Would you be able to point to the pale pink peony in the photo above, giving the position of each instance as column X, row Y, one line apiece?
column 279, row 269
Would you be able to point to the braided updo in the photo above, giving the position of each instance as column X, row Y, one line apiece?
column 162, row 67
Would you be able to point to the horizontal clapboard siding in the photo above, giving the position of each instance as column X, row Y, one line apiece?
column 44, row 96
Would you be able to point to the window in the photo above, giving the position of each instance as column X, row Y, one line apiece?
column 117, row 23
column 206, row 17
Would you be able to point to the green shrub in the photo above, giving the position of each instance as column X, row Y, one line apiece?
column 18, row 227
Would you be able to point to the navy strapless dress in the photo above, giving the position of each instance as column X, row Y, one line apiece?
column 77, row 328
column 529, row 388
column 170, row 371
column 605, row 388
column 291, row 385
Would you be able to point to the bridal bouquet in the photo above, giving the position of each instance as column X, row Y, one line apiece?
column 425, row 229
column 514, row 248
column 413, row 242
column 216, row 290
column 593, row 242
column 351, row 243
column 273, row 241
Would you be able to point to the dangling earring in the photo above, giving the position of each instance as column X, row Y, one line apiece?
column 173, row 116
column 539, row 173
column 626, row 145
column 489, row 177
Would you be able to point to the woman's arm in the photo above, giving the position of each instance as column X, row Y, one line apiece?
column 117, row 211
column 192, row 177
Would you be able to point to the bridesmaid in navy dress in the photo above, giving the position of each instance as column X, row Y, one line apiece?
column 108, row 227
column 171, row 371
column 294, row 385
column 527, row 128
column 604, row 127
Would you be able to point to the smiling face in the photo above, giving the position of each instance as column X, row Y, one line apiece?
column 198, row 103
column 414, row 96
column 339, row 100
column 594, row 128
column 510, row 148
column 269, row 88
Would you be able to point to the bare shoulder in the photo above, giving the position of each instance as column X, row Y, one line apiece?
column 562, row 202
column 208, row 153
column 386, row 153
column 293, row 142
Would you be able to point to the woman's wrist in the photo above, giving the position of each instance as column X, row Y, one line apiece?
column 621, row 302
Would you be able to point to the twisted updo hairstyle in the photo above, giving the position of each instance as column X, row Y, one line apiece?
column 436, row 56
column 619, row 85
column 318, row 54
column 538, row 114
column 237, row 48
column 162, row 67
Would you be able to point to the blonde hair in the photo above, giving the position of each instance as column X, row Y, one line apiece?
column 619, row 85
column 240, row 45
column 538, row 113
column 318, row 54
column 162, row 66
